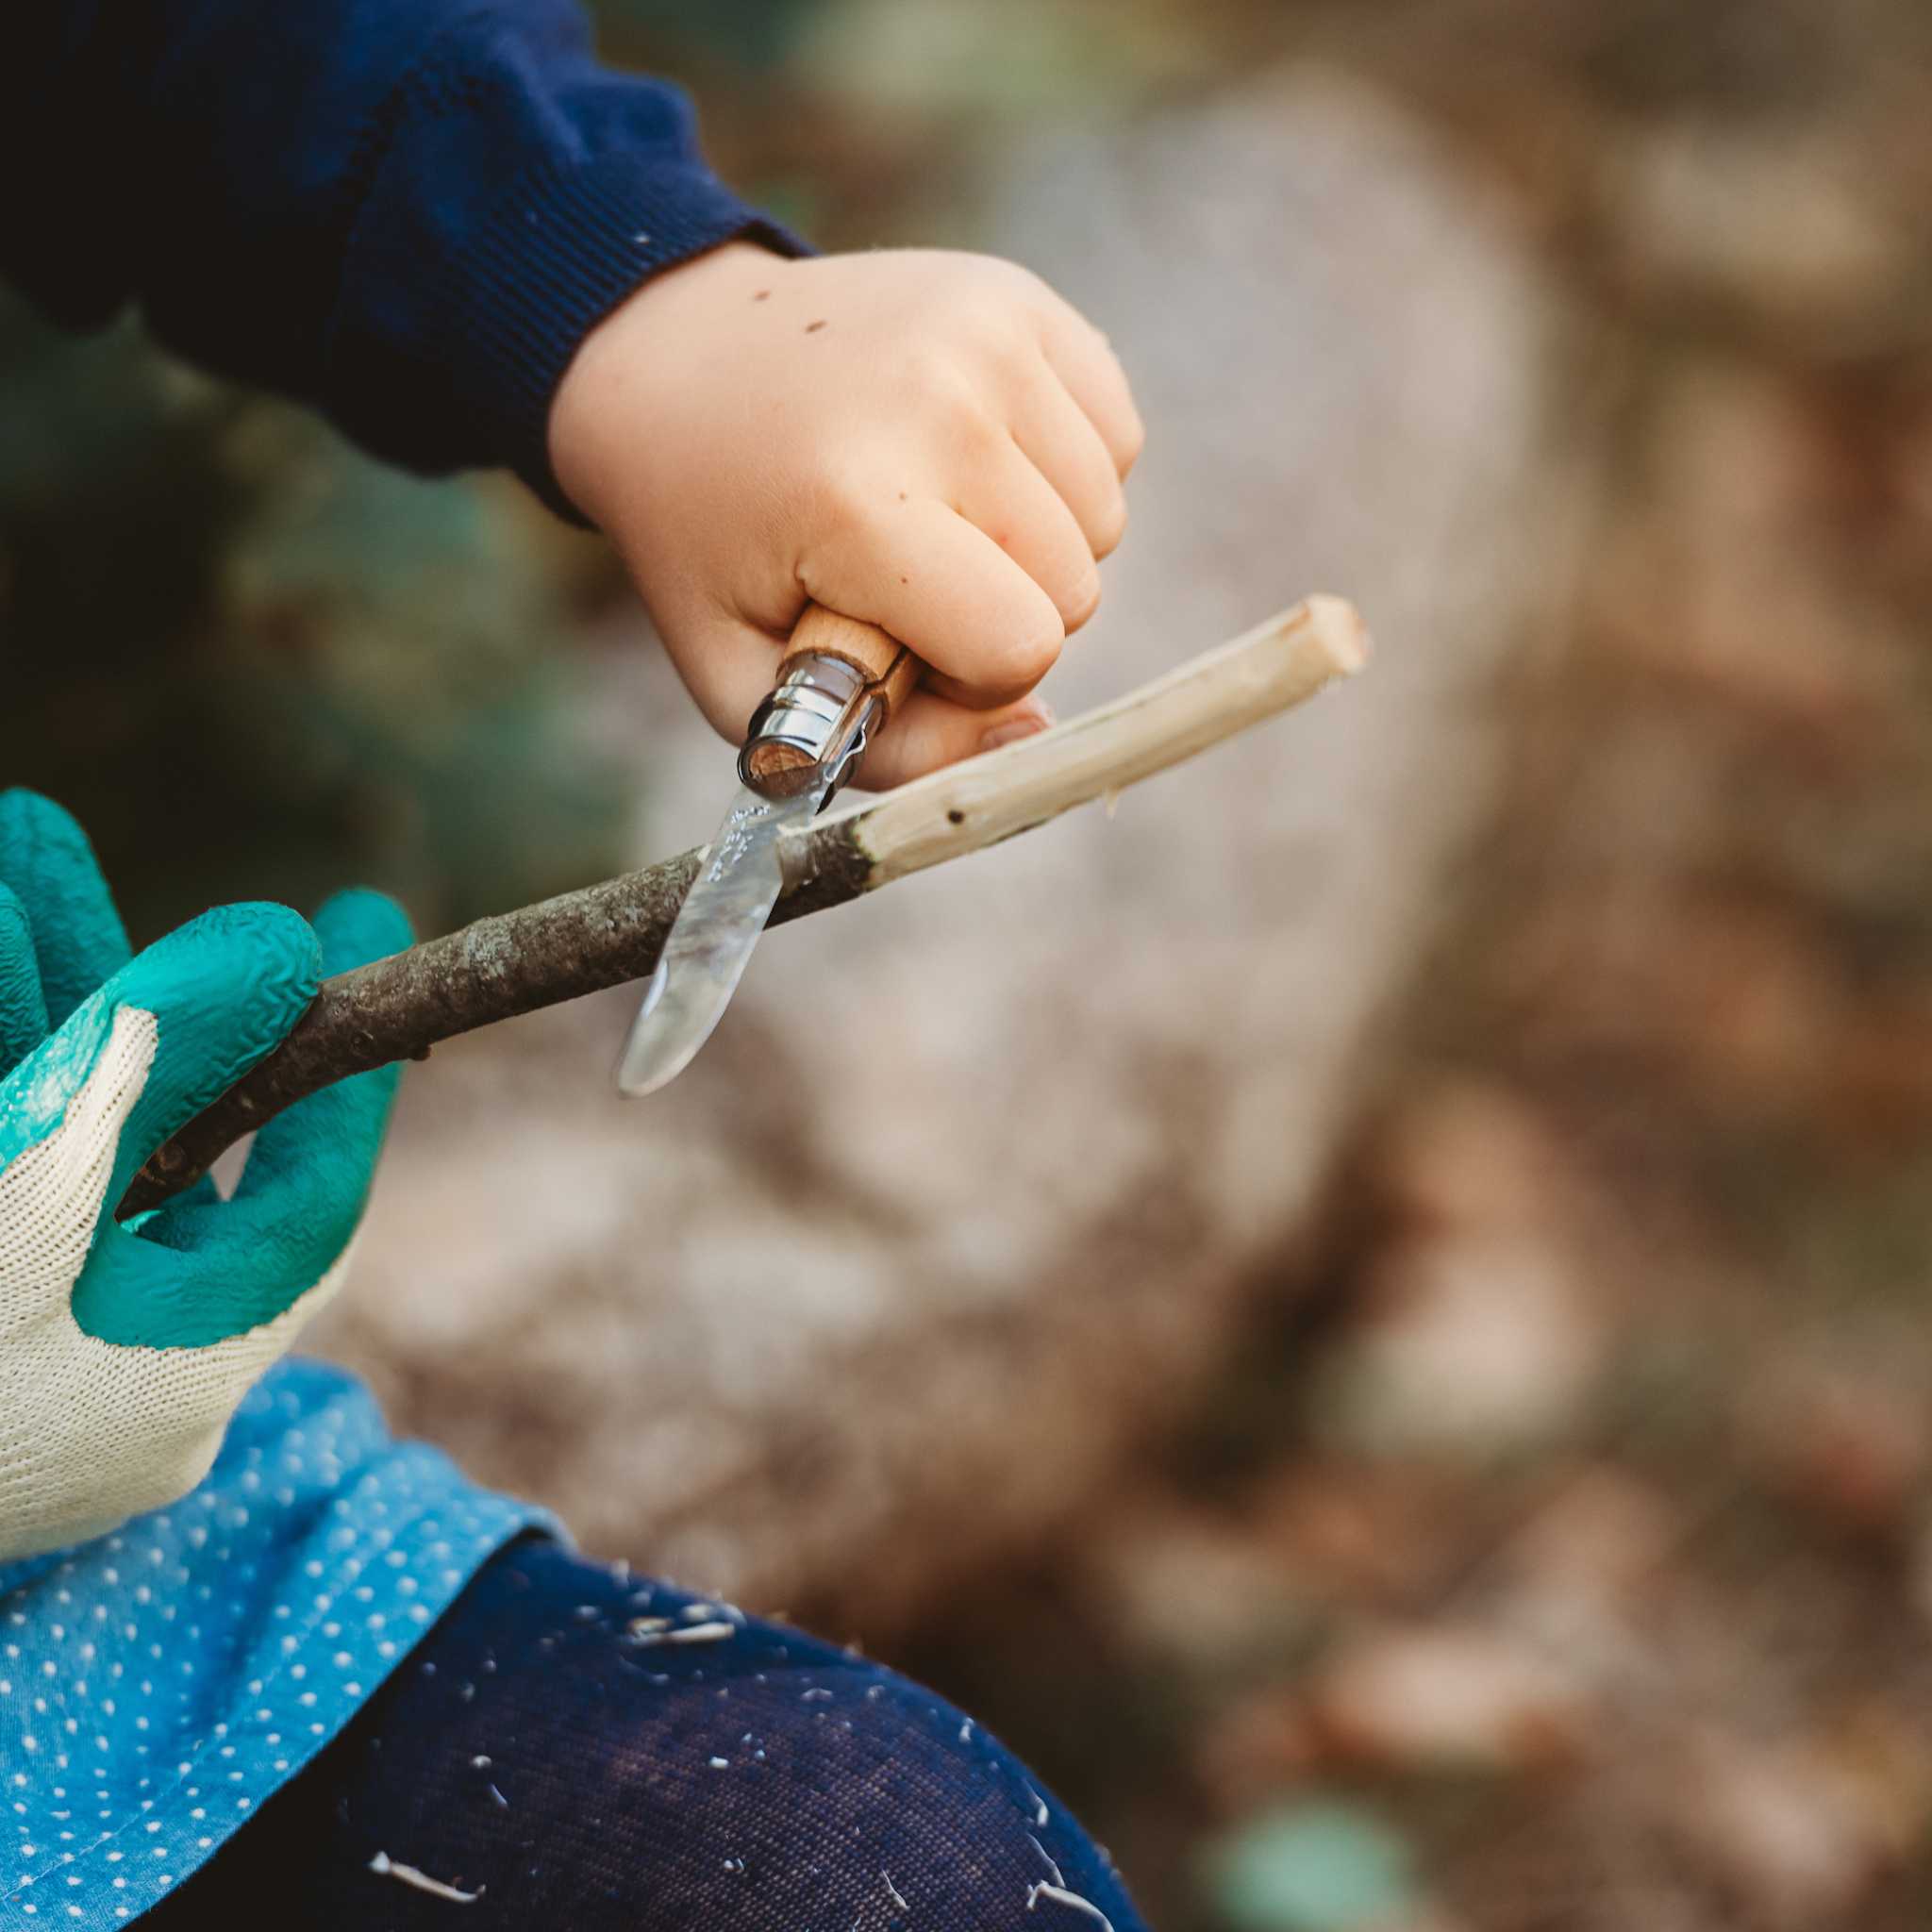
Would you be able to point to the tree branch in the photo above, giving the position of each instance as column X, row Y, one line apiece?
column 513, row 963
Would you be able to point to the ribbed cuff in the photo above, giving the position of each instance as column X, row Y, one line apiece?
column 556, row 261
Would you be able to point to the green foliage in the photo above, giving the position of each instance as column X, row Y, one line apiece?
column 748, row 33
column 1311, row 1867
column 256, row 663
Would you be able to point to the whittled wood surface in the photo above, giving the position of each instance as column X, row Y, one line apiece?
column 580, row 943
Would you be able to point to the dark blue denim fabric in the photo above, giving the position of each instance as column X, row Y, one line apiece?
column 582, row 1750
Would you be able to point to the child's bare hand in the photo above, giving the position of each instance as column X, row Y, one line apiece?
column 932, row 442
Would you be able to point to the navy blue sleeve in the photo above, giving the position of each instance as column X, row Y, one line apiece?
column 406, row 213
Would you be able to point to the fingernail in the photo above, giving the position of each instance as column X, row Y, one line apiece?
column 1016, row 728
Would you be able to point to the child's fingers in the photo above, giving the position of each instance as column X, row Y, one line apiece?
column 1060, row 441
column 319, row 1154
column 1093, row 378
column 312, row 1164
column 222, row 992
column 930, row 732
column 1021, row 511
column 233, row 1265
column 223, row 989
column 45, row 858
column 358, row 927
column 728, row 666
column 732, row 666
column 308, row 1176
column 947, row 590
column 22, row 1004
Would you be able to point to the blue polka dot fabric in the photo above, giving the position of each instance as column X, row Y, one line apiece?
column 158, row 1684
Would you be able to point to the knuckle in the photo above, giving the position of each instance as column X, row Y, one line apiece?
column 943, row 396
column 1005, row 327
column 981, row 438
column 927, row 374
column 843, row 507
column 910, row 368
column 1018, row 284
column 997, row 273
column 989, row 306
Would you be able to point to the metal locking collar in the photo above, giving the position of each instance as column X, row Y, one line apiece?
column 811, row 729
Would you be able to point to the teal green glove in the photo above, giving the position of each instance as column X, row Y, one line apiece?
column 124, row 1350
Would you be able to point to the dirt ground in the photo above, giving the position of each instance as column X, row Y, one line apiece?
column 1558, row 1553
column 1551, row 1550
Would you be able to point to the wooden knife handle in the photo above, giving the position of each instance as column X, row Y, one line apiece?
column 884, row 660
column 886, row 664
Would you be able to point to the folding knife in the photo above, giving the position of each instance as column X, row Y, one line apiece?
column 838, row 684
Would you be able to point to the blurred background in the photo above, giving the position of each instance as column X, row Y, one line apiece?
column 1370, row 1313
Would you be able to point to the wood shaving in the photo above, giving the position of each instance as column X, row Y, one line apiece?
column 1061, row 1896
column 701, row 1633
column 387, row 1867
column 1057, row 1889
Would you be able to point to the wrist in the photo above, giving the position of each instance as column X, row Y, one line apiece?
column 637, row 349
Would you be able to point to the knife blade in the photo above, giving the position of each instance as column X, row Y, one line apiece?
column 838, row 684
column 712, row 937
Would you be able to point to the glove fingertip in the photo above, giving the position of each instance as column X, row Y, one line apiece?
column 225, row 990
column 49, row 861
column 24, row 813
column 358, row 926
column 23, row 1000
column 256, row 955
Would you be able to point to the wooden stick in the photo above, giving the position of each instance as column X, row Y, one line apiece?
column 513, row 963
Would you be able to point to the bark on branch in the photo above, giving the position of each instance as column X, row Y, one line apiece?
column 513, row 963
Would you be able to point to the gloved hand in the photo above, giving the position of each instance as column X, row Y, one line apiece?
column 124, row 1350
